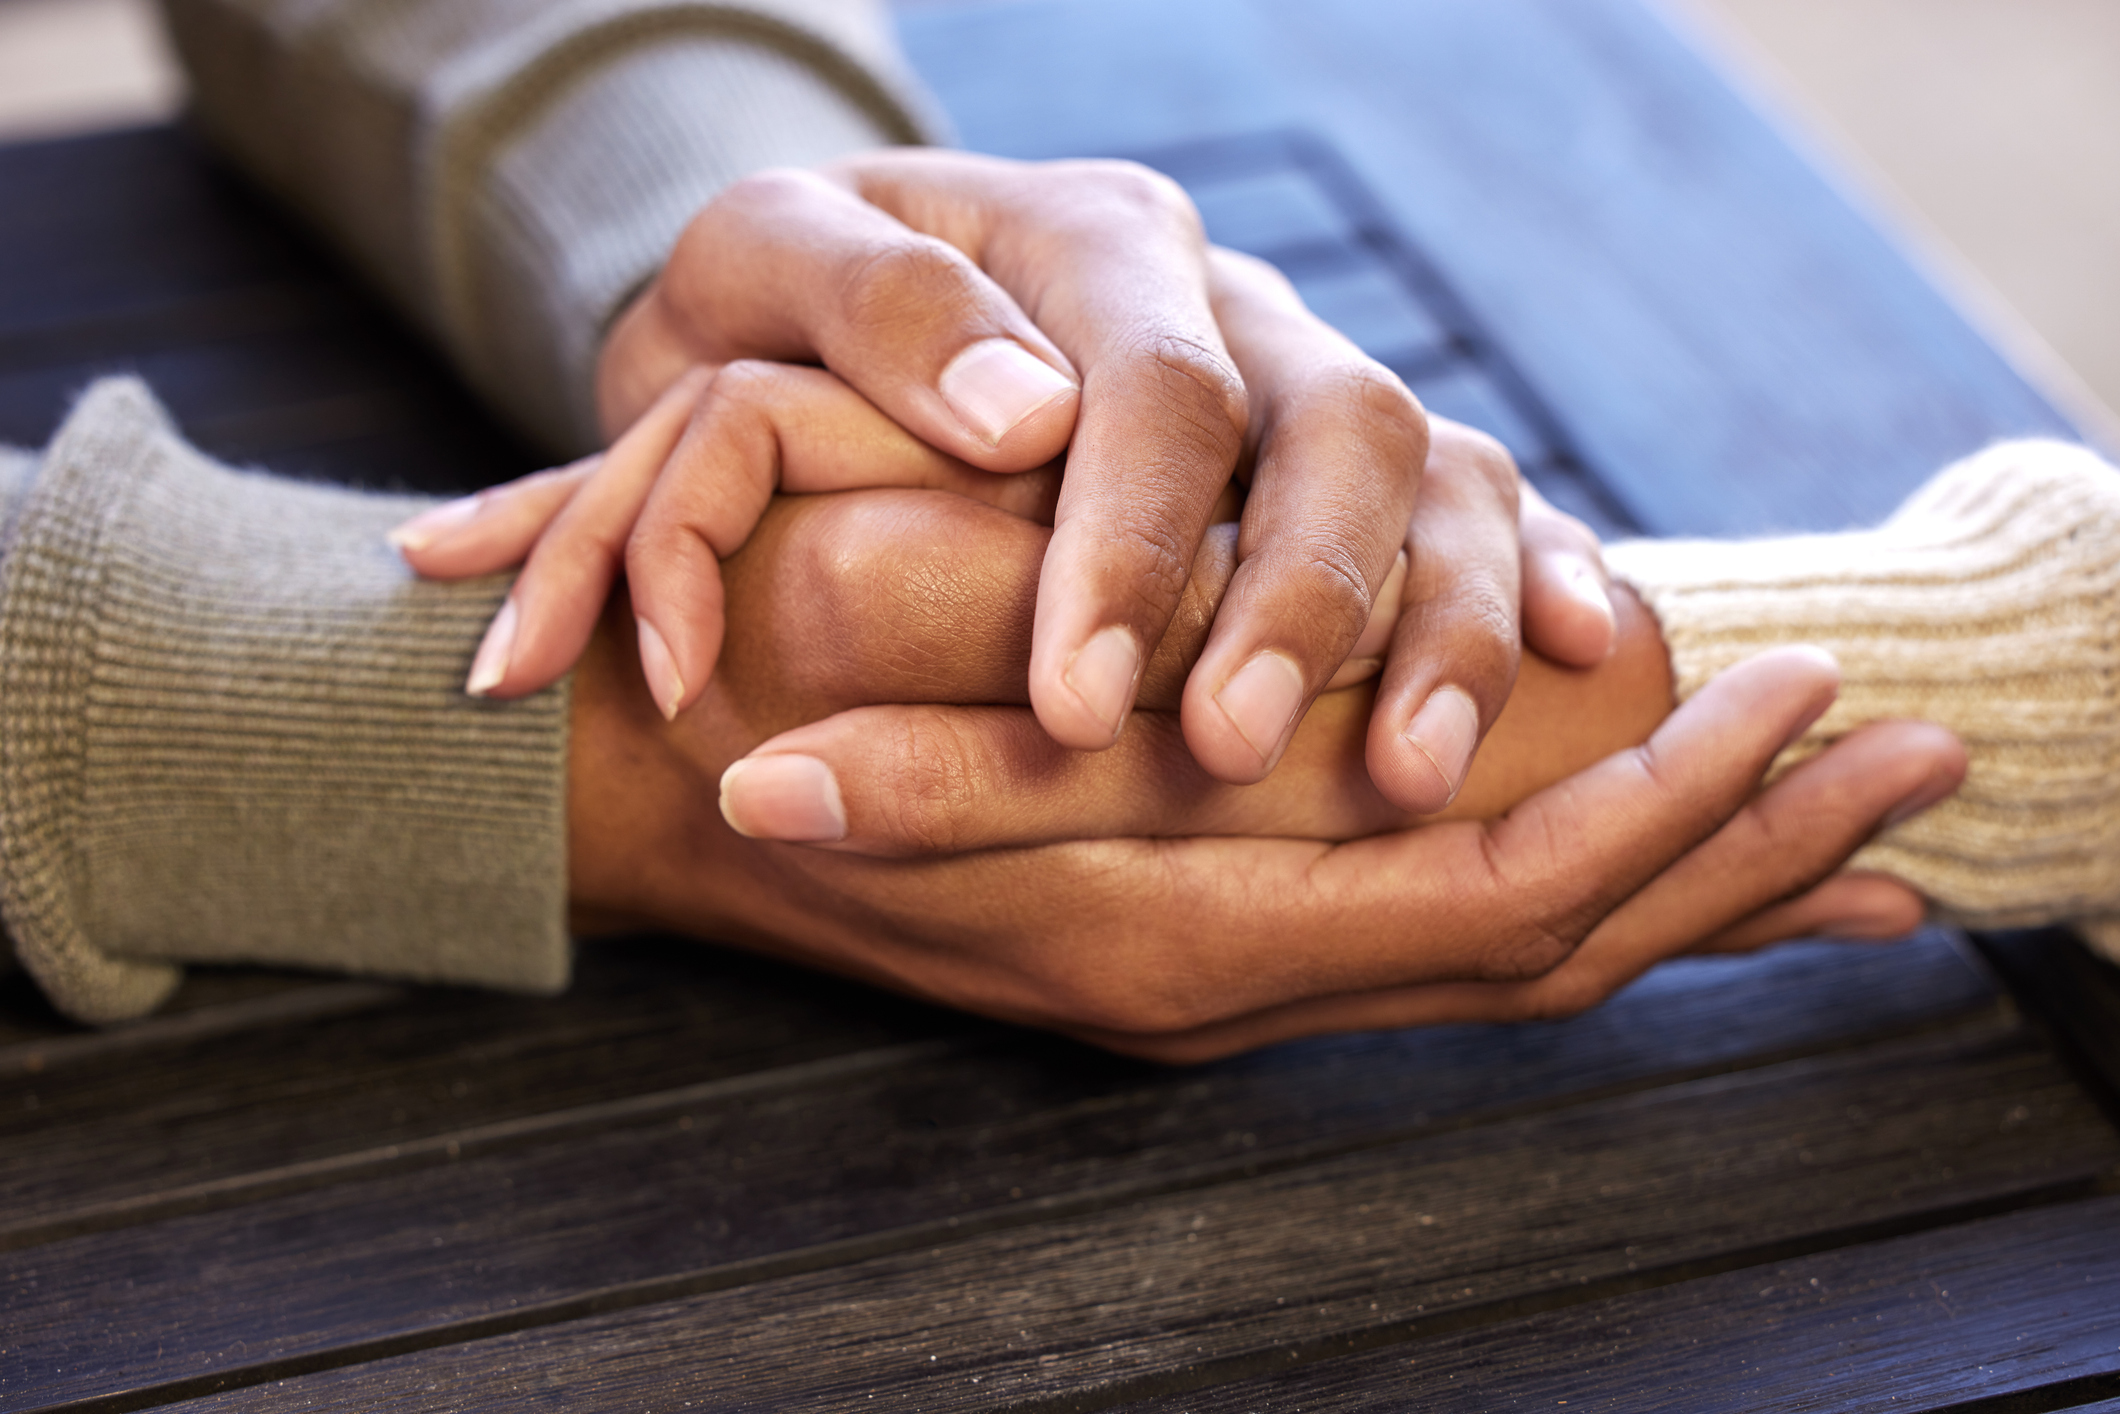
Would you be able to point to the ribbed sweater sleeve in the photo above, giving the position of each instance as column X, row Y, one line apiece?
column 511, row 171
column 232, row 729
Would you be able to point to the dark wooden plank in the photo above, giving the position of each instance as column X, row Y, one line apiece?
column 2072, row 990
column 1590, row 1200
column 208, row 1121
column 748, row 1179
column 1731, row 343
column 2012, row 1315
column 124, row 1131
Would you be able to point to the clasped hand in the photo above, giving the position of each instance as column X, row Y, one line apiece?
column 913, row 679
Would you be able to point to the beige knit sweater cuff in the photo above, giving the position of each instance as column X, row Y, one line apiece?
column 1989, row 602
column 232, row 730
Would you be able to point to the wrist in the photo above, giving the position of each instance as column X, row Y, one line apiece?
column 608, row 743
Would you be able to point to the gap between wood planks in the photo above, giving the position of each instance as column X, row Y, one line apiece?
column 944, row 1232
column 450, row 1146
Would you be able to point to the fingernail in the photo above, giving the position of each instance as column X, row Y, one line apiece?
column 1445, row 730
column 1101, row 675
column 494, row 650
column 1260, row 700
column 996, row 383
column 791, row 798
column 433, row 524
column 1936, row 788
column 665, row 684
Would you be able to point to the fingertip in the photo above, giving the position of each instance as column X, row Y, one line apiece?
column 1943, row 757
column 665, row 683
column 1095, row 691
column 1446, row 731
column 1424, row 767
column 1002, row 393
column 787, row 797
column 496, row 651
column 414, row 537
column 1260, row 702
column 1858, row 906
column 1568, row 611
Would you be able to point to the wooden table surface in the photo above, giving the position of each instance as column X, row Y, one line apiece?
column 1820, row 1178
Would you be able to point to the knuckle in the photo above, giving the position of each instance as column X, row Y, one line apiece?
column 1155, row 575
column 1527, row 952
column 1466, row 443
column 1487, row 622
column 1372, row 397
column 901, row 283
column 745, row 383
column 1132, row 185
column 1324, row 589
column 1543, row 933
column 767, row 188
column 832, row 570
column 1199, row 387
column 1483, row 457
column 757, row 202
column 930, row 805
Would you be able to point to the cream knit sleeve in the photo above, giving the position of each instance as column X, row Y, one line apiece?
column 511, row 171
column 232, row 730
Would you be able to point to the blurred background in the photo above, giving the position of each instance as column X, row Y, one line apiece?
column 1985, row 132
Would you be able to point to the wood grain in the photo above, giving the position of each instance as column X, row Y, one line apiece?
column 206, row 1122
column 1574, row 1205
column 750, row 1179
column 115, row 1133
column 700, row 1180
column 2011, row 1315
column 2072, row 991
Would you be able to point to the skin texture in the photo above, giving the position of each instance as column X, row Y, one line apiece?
column 1161, row 941
column 1172, row 879
column 1191, row 366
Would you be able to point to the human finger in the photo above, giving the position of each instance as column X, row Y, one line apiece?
column 1340, row 448
column 914, row 596
column 1111, row 261
column 1730, row 891
column 899, row 781
column 1567, row 607
column 904, row 316
column 1455, row 651
column 552, row 608
column 489, row 530
column 1154, row 938
column 1852, row 907
column 756, row 429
